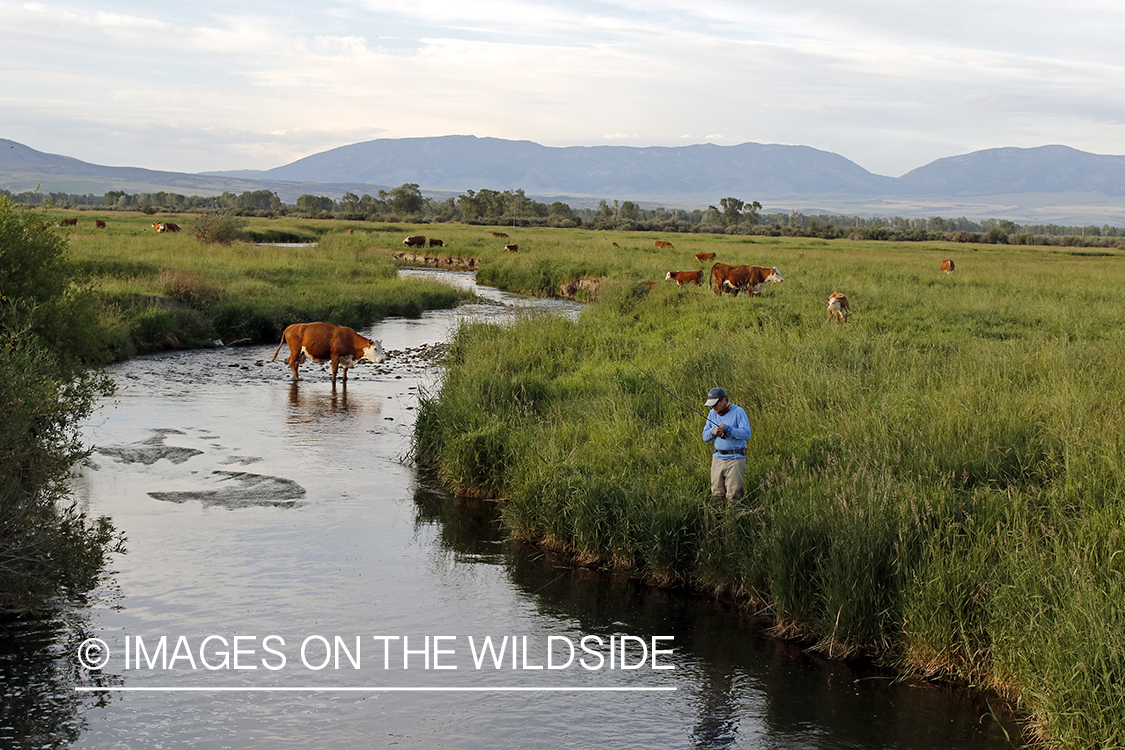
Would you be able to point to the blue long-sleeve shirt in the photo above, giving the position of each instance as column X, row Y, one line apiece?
column 738, row 431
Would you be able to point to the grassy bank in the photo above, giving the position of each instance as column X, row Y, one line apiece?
column 939, row 481
column 161, row 291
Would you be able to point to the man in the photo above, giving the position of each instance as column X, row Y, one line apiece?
column 729, row 427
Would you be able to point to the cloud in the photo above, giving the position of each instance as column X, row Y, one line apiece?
column 886, row 85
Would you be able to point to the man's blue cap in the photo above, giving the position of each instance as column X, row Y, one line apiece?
column 714, row 396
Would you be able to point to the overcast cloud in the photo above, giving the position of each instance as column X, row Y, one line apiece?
column 213, row 85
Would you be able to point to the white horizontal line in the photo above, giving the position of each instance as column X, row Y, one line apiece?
column 377, row 689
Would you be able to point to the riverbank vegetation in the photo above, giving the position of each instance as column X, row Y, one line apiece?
column 49, row 548
column 940, row 482
column 171, row 290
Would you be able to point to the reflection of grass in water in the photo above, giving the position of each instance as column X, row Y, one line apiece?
column 251, row 490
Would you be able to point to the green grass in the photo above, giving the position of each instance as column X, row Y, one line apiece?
column 938, row 482
column 161, row 291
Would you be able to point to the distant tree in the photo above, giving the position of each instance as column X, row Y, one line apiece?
column 629, row 211
column 732, row 210
column 751, row 213
column 406, row 199
column 314, row 204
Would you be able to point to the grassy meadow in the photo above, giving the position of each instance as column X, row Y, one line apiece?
column 940, row 482
column 163, row 291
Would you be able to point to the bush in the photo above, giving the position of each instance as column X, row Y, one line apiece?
column 215, row 228
column 48, row 547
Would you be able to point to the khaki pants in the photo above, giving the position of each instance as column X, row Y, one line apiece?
column 727, row 475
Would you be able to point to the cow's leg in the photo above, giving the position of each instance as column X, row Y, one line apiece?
column 335, row 367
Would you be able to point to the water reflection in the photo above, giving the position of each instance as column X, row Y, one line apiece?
column 38, row 677
column 746, row 690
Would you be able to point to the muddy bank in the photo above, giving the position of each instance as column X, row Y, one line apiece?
column 448, row 262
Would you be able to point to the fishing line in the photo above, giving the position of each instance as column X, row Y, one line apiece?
column 670, row 393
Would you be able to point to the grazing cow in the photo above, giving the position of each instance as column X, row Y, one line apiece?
column 663, row 243
column 838, row 307
column 435, row 242
column 499, row 234
column 170, row 227
column 651, row 284
column 99, row 224
column 322, row 342
column 512, row 248
column 686, row 277
column 616, row 245
column 734, row 279
column 704, row 257
column 68, row 223
column 947, row 265
column 415, row 241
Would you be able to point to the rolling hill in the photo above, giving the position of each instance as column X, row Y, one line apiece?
column 1046, row 184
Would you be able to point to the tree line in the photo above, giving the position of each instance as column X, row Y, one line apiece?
column 407, row 203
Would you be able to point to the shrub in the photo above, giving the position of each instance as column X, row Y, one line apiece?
column 47, row 546
column 215, row 228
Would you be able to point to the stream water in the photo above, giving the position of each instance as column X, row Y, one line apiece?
column 290, row 582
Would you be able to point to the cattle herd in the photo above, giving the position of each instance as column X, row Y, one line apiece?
column 736, row 278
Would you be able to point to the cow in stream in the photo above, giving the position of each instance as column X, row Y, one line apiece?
column 327, row 342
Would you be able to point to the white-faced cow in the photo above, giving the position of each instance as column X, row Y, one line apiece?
column 435, row 242
column 686, row 277
column 838, row 307
column 416, row 241
column 704, row 257
column 327, row 342
column 947, row 265
column 733, row 279
column 512, row 248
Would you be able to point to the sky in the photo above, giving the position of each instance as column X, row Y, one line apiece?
column 235, row 84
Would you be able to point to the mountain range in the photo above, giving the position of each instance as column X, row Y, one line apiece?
column 1055, row 183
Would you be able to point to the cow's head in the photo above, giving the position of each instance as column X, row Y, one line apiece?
column 668, row 277
column 373, row 351
column 774, row 276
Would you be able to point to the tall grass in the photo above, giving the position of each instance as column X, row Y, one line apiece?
column 939, row 482
column 169, row 290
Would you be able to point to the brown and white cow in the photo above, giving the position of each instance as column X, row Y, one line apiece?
column 686, row 277
column 947, row 265
column 512, row 248
column 435, row 242
column 68, row 223
column 499, row 234
column 704, row 257
column 838, row 307
column 327, row 342
column 99, row 224
column 415, row 241
column 663, row 243
column 733, row 279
